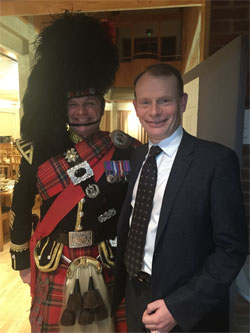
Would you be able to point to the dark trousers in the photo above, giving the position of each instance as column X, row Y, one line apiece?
column 137, row 295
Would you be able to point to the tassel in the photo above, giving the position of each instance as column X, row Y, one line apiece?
column 68, row 318
column 74, row 304
column 92, row 298
column 75, row 300
column 86, row 317
column 101, row 313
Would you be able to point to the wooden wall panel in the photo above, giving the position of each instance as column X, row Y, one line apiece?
column 129, row 70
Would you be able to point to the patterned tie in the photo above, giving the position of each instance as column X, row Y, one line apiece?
column 142, row 212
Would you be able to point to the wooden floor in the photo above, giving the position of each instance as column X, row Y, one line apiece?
column 14, row 298
column 15, row 301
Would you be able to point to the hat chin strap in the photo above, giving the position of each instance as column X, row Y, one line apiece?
column 85, row 124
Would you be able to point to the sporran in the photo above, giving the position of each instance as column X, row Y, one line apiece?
column 85, row 269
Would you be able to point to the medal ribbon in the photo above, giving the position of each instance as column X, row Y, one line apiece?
column 117, row 168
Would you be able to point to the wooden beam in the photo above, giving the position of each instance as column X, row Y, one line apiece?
column 145, row 16
column 205, row 29
column 40, row 7
column 190, row 39
column 122, row 19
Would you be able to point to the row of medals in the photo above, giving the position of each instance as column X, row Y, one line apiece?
column 116, row 178
column 117, row 171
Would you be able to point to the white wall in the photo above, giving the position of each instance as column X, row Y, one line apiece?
column 9, row 121
column 16, row 37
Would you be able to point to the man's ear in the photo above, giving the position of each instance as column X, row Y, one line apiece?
column 183, row 103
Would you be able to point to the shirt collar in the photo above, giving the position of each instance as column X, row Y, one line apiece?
column 170, row 144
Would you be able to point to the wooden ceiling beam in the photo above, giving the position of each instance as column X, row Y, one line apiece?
column 44, row 7
column 148, row 16
column 118, row 20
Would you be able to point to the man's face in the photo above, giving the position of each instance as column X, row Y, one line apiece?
column 158, row 105
column 84, row 110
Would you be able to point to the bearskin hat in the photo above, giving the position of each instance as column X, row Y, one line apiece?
column 74, row 52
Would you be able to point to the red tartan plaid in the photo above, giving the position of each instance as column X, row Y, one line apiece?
column 48, row 302
column 52, row 177
column 120, row 319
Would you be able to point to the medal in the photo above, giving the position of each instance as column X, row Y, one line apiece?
column 117, row 171
column 110, row 178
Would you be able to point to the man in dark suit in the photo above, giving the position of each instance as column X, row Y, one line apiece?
column 196, row 236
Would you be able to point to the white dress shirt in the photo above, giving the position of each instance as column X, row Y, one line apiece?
column 164, row 162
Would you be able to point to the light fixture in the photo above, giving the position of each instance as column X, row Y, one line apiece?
column 149, row 32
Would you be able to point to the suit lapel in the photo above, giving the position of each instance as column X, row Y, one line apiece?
column 181, row 165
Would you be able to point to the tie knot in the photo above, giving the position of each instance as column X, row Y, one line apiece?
column 154, row 151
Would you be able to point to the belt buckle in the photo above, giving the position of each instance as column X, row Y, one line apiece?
column 80, row 239
column 143, row 277
column 140, row 277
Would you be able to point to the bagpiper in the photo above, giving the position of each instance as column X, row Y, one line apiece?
column 79, row 172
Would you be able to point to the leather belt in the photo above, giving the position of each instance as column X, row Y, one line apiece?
column 74, row 239
column 143, row 277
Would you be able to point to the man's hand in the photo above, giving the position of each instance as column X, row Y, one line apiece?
column 157, row 317
column 25, row 275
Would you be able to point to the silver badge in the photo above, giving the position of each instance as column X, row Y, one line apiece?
column 107, row 215
column 92, row 191
column 120, row 139
column 80, row 172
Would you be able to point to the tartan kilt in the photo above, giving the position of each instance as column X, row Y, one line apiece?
column 49, row 294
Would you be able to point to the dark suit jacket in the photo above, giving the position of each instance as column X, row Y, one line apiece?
column 201, row 241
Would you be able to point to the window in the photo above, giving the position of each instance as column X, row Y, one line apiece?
column 126, row 49
column 145, row 48
column 169, row 48
column 148, row 48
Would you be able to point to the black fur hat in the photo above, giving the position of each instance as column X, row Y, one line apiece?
column 73, row 53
